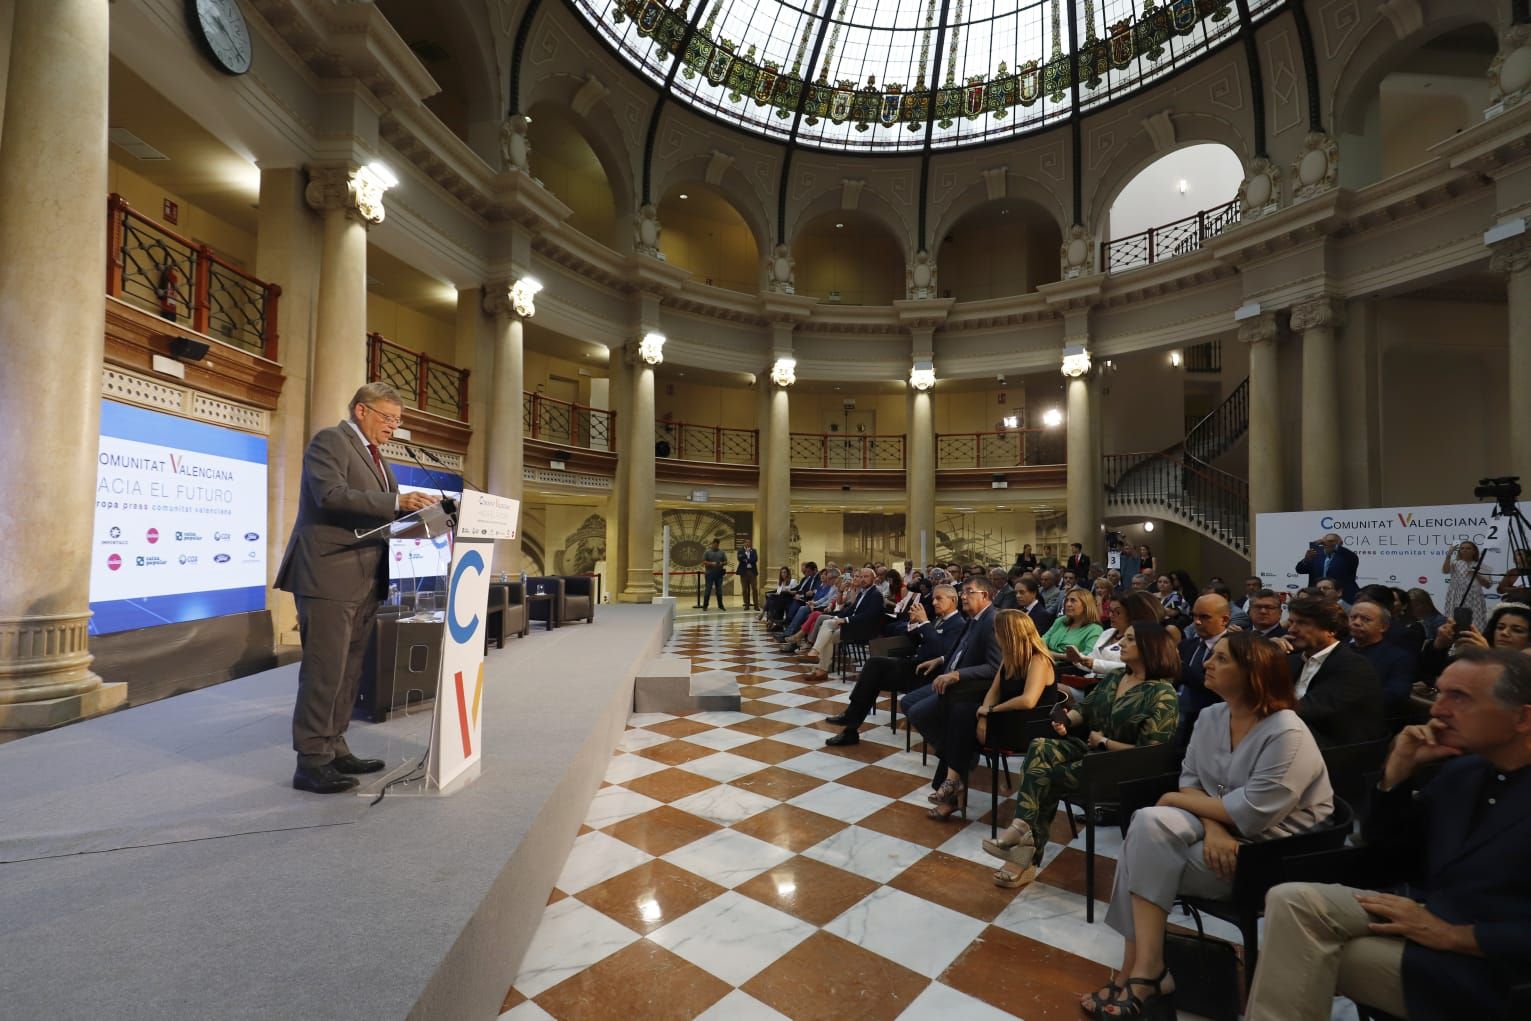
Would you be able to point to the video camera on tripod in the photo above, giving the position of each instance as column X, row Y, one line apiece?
column 1505, row 491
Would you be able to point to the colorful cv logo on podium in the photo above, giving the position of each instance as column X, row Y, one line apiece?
column 461, row 633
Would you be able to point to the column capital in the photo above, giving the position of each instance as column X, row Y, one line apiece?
column 345, row 187
column 507, row 299
column 1260, row 328
column 644, row 351
column 1512, row 256
column 1323, row 311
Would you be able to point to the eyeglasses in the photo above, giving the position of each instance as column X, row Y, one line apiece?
column 390, row 419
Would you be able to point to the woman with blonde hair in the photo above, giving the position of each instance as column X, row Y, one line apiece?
column 1077, row 626
column 1025, row 674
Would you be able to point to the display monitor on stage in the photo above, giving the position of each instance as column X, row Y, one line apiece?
column 180, row 522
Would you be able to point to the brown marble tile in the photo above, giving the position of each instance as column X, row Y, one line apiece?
column 556, row 896
column 512, row 999
column 754, row 691
column 956, row 883
column 678, row 728
column 1067, row 872
column 808, row 889
column 788, row 826
column 827, row 977
column 866, row 751
column 662, row 830
column 757, row 708
column 835, row 728
column 761, row 728
column 909, row 822
column 778, row 783
column 647, row 897
column 753, row 679
column 1024, row 977
column 673, row 753
column 669, row 784
column 766, row 750
column 583, row 829
column 643, row 980
column 818, row 691
column 823, row 705
column 890, row 783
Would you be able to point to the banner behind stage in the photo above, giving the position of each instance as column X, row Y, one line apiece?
column 1402, row 547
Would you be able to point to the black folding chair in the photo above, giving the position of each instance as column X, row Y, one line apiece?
column 1019, row 733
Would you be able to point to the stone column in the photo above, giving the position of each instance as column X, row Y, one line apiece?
column 1513, row 258
column 920, row 479
column 616, row 503
column 776, row 484
column 350, row 201
column 53, row 321
column 640, row 480
column 1084, row 485
column 504, row 455
column 1317, row 320
column 1267, row 493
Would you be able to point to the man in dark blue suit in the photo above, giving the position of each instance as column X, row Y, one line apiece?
column 971, row 667
column 1394, row 665
column 862, row 622
column 1329, row 559
column 1028, row 599
column 1209, row 619
column 749, row 573
column 1264, row 609
column 937, row 638
column 1453, row 945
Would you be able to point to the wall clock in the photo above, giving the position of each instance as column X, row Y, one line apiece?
column 219, row 26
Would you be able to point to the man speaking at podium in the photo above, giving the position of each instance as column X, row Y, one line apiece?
column 337, row 579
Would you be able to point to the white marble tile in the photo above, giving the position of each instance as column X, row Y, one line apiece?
column 840, row 802
column 594, row 859
column 648, row 719
column 720, row 738
column 633, row 740
column 822, row 764
column 968, row 842
column 803, row 737
column 728, row 857
column 916, row 933
column 943, row 1003
column 624, row 767
column 787, row 699
column 796, row 717
column 880, row 734
column 724, row 804
column 1108, row 840
column 741, row 1006
column 732, row 936
column 779, row 679
column 724, row 766
column 720, row 718
column 526, row 1010
column 571, row 937
column 876, row 856
column 909, row 762
column 613, row 804
column 1056, row 917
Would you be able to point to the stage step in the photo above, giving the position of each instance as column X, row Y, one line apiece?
column 667, row 685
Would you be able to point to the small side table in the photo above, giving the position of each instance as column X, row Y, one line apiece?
column 534, row 599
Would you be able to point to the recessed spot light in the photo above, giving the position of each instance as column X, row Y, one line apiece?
column 684, row 195
column 838, row 226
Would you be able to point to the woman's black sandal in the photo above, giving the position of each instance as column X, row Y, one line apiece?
column 1159, row 1006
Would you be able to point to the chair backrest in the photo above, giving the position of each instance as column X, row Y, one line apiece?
column 1353, row 769
column 891, row 645
column 1102, row 773
column 578, row 585
column 1260, row 867
column 1033, row 723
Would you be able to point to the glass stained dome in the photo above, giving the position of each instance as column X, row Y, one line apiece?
column 892, row 75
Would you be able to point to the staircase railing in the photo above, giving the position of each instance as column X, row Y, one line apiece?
column 1206, row 498
column 1217, row 431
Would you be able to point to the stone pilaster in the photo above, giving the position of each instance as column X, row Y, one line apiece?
column 1267, row 489
column 1085, row 497
column 640, row 478
column 1318, row 322
column 920, row 479
column 504, row 456
column 1513, row 258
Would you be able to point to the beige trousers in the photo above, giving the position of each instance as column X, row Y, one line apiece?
column 1318, row 943
column 828, row 638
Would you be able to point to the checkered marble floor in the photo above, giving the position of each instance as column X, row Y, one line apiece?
column 731, row 866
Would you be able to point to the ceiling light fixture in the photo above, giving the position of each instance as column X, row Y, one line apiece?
column 1148, row 526
column 1076, row 361
column 922, row 376
column 1052, row 418
column 651, row 348
column 684, row 196
column 784, row 372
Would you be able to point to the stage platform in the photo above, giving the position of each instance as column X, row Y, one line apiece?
column 155, row 863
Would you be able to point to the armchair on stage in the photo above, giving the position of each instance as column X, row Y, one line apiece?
column 573, row 598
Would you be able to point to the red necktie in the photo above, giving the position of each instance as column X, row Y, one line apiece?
column 377, row 459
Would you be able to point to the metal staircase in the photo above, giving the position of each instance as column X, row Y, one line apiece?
column 1181, row 485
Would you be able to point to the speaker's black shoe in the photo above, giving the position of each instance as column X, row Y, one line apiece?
column 351, row 764
column 839, row 718
column 324, row 779
column 845, row 737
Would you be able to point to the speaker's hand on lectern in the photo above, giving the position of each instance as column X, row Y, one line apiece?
column 411, row 502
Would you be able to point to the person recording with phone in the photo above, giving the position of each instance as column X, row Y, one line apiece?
column 1464, row 566
column 1329, row 558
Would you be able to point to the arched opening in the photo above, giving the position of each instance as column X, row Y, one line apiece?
column 566, row 164
column 1158, row 214
column 849, row 257
column 1001, row 248
column 1413, row 102
column 704, row 233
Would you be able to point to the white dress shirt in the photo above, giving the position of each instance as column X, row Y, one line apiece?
column 1311, row 665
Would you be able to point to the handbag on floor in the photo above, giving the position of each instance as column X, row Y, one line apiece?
column 1206, row 975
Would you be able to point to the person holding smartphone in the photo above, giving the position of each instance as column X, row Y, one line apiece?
column 1464, row 566
column 1329, row 558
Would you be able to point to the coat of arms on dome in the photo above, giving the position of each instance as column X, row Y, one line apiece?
column 722, row 58
column 1217, row 10
column 1152, row 30
column 1028, row 82
column 1183, row 16
column 948, row 106
column 1121, row 43
column 973, row 96
column 865, row 104
column 741, row 76
column 765, row 82
column 788, row 90
column 840, row 104
column 916, row 109
column 1001, row 93
column 1094, row 62
column 625, row 9
column 1057, row 76
column 648, row 18
column 891, row 101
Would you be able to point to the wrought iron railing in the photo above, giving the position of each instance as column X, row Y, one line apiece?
column 433, row 385
column 183, row 282
column 568, row 424
column 1204, row 357
column 1169, row 240
column 713, row 443
column 1198, row 494
column 1218, row 430
column 851, row 453
column 1010, row 448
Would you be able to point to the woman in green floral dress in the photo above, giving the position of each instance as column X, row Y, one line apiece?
column 1131, row 708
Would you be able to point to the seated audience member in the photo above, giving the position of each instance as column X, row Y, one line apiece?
column 1004, row 595
column 1252, row 585
column 1024, row 675
column 1209, row 626
column 1452, row 945
column 862, row 615
column 777, row 599
column 813, row 593
column 1105, row 597
column 1251, row 772
column 1105, row 658
column 1078, row 626
column 1140, row 582
column 1132, row 708
column 1265, row 614
column 1068, row 582
column 936, row 639
column 1397, row 632
column 1052, row 595
column 1394, row 667
column 802, row 591
column 1509, row 628
column 1329, row 591
column 967, row 671
column 1028, row 599
column 1174, row 603
column 1338, row 694
column 1237, row 619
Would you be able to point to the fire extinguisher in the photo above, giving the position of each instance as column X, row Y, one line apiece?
column 169, row 280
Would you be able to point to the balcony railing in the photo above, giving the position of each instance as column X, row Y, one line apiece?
column 1165, row 242
column 851, row 453
column 570, row 425
column 713, row 443
column 1011, row 448
column 1199, row 495
column 183, row 282
column 433, row 385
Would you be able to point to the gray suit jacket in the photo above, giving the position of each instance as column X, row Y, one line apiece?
column 341, row 491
